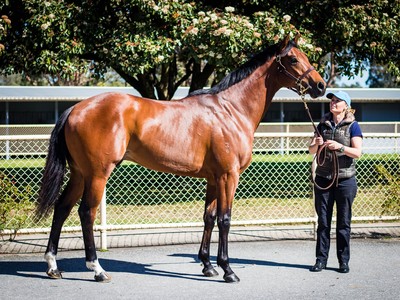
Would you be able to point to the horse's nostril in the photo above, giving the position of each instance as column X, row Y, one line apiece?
column 321, row 86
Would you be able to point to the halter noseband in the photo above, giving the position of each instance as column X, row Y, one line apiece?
column 301, row 88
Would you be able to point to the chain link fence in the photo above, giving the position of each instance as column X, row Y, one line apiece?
column 276, row 187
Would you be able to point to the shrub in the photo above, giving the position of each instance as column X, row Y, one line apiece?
column 15, row 206
column 392, row 191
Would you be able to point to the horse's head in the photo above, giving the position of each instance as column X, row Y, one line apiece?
column 295, row 70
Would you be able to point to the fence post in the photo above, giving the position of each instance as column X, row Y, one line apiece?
column 7, row 130
column 287, row 139
column 103, row 222
column 396, row 144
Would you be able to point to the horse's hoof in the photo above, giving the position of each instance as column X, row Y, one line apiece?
column 231, row 278
column 102, row 277
column 55, row 274
column 210, row 272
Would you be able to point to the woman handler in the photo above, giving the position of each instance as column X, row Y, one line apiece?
column 340, row 133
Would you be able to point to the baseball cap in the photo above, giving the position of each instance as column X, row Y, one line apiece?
column 341, row 95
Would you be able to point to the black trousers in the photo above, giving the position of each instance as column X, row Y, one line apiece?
column 343, row 195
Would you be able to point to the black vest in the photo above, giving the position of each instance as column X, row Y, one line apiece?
column 341, row 134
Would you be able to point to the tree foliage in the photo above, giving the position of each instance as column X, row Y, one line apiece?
column 352, row 34
column 156, row 46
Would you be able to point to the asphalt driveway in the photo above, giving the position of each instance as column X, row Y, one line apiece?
column 275, row 269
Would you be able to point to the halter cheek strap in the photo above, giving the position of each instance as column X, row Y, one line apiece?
column 299, row 80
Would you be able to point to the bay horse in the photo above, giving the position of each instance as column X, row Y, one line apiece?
column 208, row 134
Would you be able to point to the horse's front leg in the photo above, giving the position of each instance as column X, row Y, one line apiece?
column 87, row 213
column 227, row 185
column 210, row 214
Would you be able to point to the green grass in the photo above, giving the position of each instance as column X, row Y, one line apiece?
column 22, row 163
column 367, row 203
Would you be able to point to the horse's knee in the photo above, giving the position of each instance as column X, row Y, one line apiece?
column 82, row 211
column 224, row 222
column 209, row 220
column 86, row 213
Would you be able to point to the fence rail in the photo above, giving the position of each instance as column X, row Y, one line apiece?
column 276, row 188
column 285, row 141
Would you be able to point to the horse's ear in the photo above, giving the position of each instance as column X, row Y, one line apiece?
column 283, row 44
column 297, row 37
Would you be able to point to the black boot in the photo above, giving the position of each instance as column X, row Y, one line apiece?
column 318, row 267
column 344, row 268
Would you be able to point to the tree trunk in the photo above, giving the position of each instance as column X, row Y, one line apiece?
column 332, row 73
column 200, row 77
column 143, row 83
column 165, row 81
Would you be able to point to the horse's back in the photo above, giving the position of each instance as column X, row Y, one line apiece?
column 194, row 136
column 162, row 135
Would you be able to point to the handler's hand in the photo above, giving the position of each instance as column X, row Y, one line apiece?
column 333, row 145
column 319, row 141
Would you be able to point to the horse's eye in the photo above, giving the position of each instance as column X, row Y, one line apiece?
column 293, row 60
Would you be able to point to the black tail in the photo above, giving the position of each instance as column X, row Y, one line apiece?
column 55, row 168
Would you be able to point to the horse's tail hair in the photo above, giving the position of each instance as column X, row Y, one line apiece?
column 55, row 168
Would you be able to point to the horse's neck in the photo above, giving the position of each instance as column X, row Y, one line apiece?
column 253, row 95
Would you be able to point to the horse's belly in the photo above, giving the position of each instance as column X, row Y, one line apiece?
column 179, row 164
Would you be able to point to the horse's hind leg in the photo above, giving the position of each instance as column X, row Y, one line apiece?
column 69, row 197
column 93, row 193
column 210, row 213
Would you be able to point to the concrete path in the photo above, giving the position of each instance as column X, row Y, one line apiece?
column 272, row 263
column 36, row 243
column 275, row 269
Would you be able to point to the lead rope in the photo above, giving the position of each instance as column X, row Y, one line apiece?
column 321, row 155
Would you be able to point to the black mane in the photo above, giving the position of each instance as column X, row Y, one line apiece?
column 243, row 71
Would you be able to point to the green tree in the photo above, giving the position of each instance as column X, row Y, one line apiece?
column 351, row 33
column 156, row 46
column 5, row 23
column 379, row 77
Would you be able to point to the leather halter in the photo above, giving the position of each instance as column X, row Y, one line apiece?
column 299, row 80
